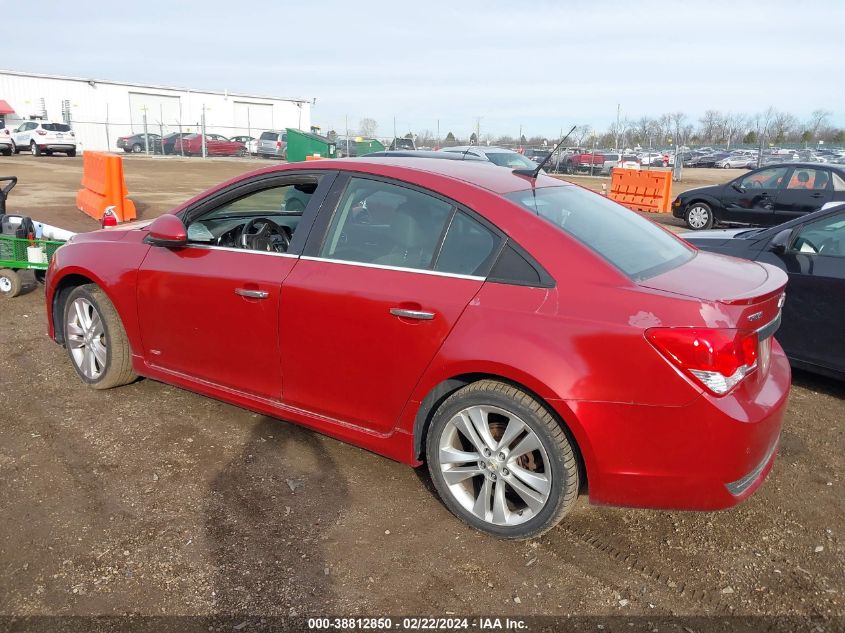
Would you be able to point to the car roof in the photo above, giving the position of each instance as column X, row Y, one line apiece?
column 795, row 163
column 479, row 148
column 483, row 174
column 422, row 153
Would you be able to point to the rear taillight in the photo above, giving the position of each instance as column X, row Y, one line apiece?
column 41, row 132
column 278, row 145
column 717, row 359
column 109, row 218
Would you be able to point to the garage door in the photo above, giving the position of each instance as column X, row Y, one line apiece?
column 162, row 112
column 253, row 118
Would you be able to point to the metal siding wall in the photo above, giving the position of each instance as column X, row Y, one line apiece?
column 101, row 112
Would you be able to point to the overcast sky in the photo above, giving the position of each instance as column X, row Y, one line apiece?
column 542, row 65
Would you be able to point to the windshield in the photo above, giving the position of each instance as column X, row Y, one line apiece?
column 633, row 244
column 510, row 159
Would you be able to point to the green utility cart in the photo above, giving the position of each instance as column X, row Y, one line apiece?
column 302, row 144
column 20, row 250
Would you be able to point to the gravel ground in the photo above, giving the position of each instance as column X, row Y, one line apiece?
column 152, row 500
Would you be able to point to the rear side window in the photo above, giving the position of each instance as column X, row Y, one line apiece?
column 631, row 243
column 56, row 127
column 468, row 247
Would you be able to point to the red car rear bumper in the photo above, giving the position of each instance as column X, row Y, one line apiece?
column 707, row 455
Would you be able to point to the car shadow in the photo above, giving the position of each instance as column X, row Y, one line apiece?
column 817, row 382
column 268, row 514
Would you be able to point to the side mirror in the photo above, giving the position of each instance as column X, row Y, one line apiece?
column 168, row 231
column 780, row 242
column 737, row 188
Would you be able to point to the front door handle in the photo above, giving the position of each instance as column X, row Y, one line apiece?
column 252, row 294
column 816, row 195
column 403, row 313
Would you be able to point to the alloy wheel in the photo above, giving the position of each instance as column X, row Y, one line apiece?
column 495, row 465
column 86, row 338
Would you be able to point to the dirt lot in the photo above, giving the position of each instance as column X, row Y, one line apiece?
column 152, row 500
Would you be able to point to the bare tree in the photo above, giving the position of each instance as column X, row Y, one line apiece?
column 818, row 120
column 783, row 124
column 581, row 134
column 368, row 128
column 733, row 125
column 711, row 122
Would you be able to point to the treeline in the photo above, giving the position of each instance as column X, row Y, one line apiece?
column 714, row 127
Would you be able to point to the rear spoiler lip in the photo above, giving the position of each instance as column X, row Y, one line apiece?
column 771, row 288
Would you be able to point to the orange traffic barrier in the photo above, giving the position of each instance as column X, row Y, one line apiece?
column 642, row 190
column 314, row 157
column 103, row 186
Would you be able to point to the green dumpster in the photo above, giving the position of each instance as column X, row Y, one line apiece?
column 302, row 144
column 367, row 146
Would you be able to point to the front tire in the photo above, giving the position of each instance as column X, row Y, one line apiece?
column 34, row 149
column 699, row 216
column 95, row 339
column 501, row 462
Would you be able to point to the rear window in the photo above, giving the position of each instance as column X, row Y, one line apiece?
column 268, row 136
column 634, row 245
column 510, row 159
column 56, row 127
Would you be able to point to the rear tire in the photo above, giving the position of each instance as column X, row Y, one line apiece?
column 501, row 462
column 71, row 153
column 15, row 148
column 699, row 216
column 95, row 339
column 137, row 148
column 10, row 283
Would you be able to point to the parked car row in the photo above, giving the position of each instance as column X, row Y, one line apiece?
column 268, row 144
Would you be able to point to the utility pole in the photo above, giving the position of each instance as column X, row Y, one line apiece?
column 204, row 146
column 438, row 134
column 618, row 114
column 394, row 127
column 478, row 130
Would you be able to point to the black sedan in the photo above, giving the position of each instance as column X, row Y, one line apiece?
column 811, row 249
column 168, row 141
column 763, row 197
column 138, row 143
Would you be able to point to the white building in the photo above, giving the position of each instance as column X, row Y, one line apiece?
column 101, row 111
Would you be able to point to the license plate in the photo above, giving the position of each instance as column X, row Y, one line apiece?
column 764, row 354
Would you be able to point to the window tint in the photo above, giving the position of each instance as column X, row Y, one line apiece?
column 807, row 178
column 823, row 237
column 764, row 179
column 56, row 127
column 268, row 136
column 467, row 248
column 381, row 223
column 631, row 243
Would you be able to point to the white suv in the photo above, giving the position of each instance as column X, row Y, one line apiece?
column 44, row 137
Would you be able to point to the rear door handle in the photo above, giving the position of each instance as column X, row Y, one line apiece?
column 403, row 313
column 252, row 294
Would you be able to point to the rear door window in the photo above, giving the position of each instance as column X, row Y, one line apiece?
column 468, row 248
column 385, row 224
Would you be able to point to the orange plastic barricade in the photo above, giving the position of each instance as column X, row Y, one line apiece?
column 103, row 186
column 642, row 190
column 314, row 157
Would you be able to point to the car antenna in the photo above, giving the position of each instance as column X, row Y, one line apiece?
column 533, row 173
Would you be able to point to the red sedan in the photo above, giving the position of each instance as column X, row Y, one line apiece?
column 528, row 339
column 215, row 145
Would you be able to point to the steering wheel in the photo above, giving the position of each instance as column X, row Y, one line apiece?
column 270, row 237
